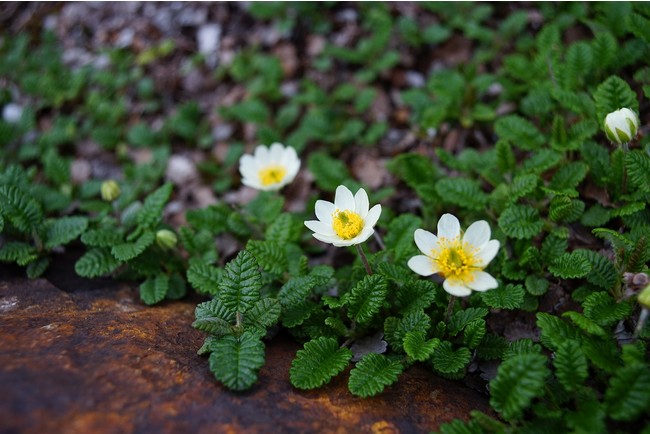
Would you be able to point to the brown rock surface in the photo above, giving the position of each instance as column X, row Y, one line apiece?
column 80, row 356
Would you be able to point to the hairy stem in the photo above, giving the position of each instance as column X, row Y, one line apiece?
column 364, row 260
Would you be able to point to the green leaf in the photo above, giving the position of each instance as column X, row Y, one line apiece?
column 570, row 365
column 263, row 314
column 473, row 333
column 603, row 272
column 460, row 319
column 519, row 132
column 628, row 394
column 270, row 255
column 399, row 237
column 522, row 185
column 20, row 209
column 571, row 265
column 567, row 178
column 450, row 363
column 536, row 285
column 296, row 291
column 21, row 253
column 128, row 251
column 585, row 324
column 519, row 380
column 520, row 221
column 328, row 172
column 637, row 164
column 318, row 362
column 504, row 297
column 236, row 361
column 63, row 230
column 367, row 297
column 463, row 192
column 240, row 283
column 37, row 267
column 522, row 346
column 96, row 262
column 281, row 230
column 601, row 308
column 612, row 94
column 555, row 331
column 415, row 295
column 154, row 290
column 215, row 326
column 151, row 211
column 396, row 328
column 102, row 237
column 566, row 210
column 204, row 278
column 372, row 374
column 417, row 347
column 414, row 169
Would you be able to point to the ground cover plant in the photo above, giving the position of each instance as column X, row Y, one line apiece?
column 458, row 185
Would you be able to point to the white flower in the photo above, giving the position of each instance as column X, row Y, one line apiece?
column 459, row 260
column 621, row 126
column 269, row 168
column 347, row 221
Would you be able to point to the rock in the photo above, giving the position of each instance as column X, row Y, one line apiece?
column 208, row 37
column 12, row 113
column 181, row 170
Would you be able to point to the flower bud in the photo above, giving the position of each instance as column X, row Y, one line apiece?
column 644, row 297
column 110, row 190
column 166, row 239
column 621, row 126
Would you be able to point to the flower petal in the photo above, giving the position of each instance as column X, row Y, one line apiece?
column 482, row 281
column 361, row 203
column 448, row 227
column 477, row 234
column 487, row 253
column 276, row 152
column 372, row 217
column 365, row 233
column 325, row 238
column 456, row 288
column 423, row 265
column 324, row 211
column 425, row 241
column 262, row 154
column 319, row 227
column 343, row 198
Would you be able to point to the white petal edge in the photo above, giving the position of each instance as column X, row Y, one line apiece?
column 477, row 234
column 425, row 240
column 482, row 281
column 372, row 217
column 343, row 198
column 448, row 227
column 276, row 153
column 422, row 265
column 261, row 154
column 324, row 211
column 326, row 238
column 361, row 203
column 456, row 288
column 320, row 227
column 488, row 252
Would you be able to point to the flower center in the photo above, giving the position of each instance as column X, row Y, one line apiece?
column 456, row 260
column 347, row 224
column 272, row 175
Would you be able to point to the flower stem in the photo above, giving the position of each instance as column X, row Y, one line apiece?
column 626, row 149
column 364, row 260
column 450, row 307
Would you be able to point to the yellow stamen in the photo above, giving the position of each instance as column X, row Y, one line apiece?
column 456, row 260
column 272, row 175
column 347, row 224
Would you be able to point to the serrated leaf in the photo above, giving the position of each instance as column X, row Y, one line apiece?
column 399, row 237
column 96, row 262
column 585, row 323
column 63, row 230
column 570, row 365
column 571, row 265
column 415, row 295
column 463, row 192
column 603, row 272
column 567, row 178
column 612, row 94
column 448, row 362
column 519, row 380
column 461, row 318
column 20, row 209
column 372, row 374
column 396, row 328
column 236, row 361
column 318, row 362
column 151, row 211
column 367, row 297
column 414, row 169
column 263, row 314
column 204, row 278
column 474, row 332
column 37, row 267
column 328, row 172
column 281, row 230
column 102, row 237
column 21, row 253
column 536, row 285
column 601, row 308
column 504, row 297
column 522, row 185
column 154, row 290
column 628, row 394
column 127, row 251
column 637, row 164
column 270, row 255
column 521, row 346
column 492, row 347
column 417, row 347
column 521, row 222
column 240, row 284
column 555, row 331
column 296, row 291
column 215, row 326
column 519, row 132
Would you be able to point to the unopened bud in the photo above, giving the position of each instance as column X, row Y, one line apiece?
column 644, row 297
column 110, row 190
column 166, row 239
column 621, row 126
